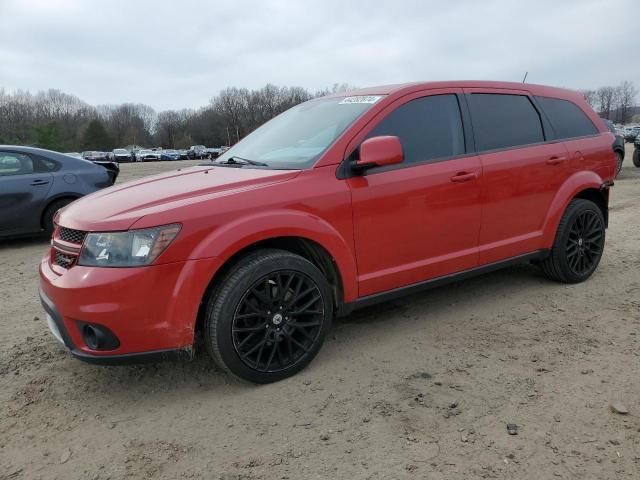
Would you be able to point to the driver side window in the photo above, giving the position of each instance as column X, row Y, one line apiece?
column 429, row 128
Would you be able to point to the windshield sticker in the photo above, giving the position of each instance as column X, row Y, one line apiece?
column 361, row 99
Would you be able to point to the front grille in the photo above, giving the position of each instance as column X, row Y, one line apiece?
column 71, row 236
column 64, row 260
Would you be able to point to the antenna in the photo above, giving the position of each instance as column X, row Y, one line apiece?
column 525, row 76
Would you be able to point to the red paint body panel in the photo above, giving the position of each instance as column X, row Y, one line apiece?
column 415, row 223
column 383, row 230
column 148, row 308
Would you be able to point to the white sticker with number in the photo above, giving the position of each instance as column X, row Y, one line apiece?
column 361, row 99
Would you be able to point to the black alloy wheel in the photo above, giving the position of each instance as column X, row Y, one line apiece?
column 585, row 242
column 268, row 316
column 277, row 321
column 579, row 243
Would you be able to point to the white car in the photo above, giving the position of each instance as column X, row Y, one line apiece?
column 147, row 156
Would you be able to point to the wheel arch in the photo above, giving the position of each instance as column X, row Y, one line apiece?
column 307, row 248
column 56, row 198
column 587, row 185
column 298, row 232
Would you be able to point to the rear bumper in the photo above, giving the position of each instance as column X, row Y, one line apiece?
column 150, row 310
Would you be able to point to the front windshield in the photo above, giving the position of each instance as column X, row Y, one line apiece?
column 296, row 138
column 120, row 150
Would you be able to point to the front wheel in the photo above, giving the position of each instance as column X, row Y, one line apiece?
column 636, row 157
column 269, row 316
column 578, row 245
column 50, row 213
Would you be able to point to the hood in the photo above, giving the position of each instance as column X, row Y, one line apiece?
column 120, row 206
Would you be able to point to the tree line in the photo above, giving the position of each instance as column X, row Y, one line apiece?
column 614, row 103
column 59, row 121
column 63, row 122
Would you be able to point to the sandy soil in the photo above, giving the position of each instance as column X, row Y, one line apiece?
column 419, row 388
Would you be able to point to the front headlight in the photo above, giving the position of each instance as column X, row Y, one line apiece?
column 134, row 248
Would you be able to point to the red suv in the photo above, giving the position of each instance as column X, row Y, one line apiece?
column 340, row 202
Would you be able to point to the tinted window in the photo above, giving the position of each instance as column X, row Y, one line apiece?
column 502, row 121
column 47, row 165
column 15, row 164
column 428, row 128
column 567, row 119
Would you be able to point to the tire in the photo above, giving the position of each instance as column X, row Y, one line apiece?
column 50, row 212
column 636, row 157
column 275, row 292
column 619, row 160
column 578, row 245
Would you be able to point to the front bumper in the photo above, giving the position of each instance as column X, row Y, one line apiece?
column 151, row 310
column 58, row 330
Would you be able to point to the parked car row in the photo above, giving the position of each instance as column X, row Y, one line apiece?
column 121, row 155
column 630, row 133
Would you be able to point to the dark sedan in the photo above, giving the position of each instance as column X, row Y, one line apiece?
column 121, row 155
column 36, row 183
column 618, row 144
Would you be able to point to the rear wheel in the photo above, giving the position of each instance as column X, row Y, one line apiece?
column 269, row 316
column 636, row 157
column 619, row 161
column 50, row 212
column 578, row 245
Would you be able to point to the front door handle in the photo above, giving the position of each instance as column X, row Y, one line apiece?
column 39, row 182
column 464, row 177
column 555, row 160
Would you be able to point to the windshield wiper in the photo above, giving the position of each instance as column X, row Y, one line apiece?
column 242, row 161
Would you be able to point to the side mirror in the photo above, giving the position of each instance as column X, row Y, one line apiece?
column 379, row 152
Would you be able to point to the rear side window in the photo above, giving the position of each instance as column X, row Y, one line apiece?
column 567, row 119
column 15, row 164
column 429, row 128
column 503, row 121
column 46, row 165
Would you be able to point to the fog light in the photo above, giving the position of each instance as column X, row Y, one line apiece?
column 98, row 337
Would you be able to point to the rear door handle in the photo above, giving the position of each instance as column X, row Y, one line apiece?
column 39, row 182
column 555, row 160
column 464, row 177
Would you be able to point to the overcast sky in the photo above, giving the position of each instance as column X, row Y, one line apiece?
column 176, row 54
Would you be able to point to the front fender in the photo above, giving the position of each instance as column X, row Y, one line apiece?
column 575, row 184
column 228, row 239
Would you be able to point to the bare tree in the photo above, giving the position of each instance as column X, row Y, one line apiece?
column 605, row 97
column 591, row 97
column 626, row 99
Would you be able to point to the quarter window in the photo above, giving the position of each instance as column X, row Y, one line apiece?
column 503, row 121
column 567, row 119
column 429, row 128
column 15, row 164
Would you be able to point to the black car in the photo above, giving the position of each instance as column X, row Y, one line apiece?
column 618, row 144
column 122, row 155
column 636, row 152
column 36, row 183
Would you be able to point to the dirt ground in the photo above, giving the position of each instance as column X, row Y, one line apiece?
column 419, row 388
